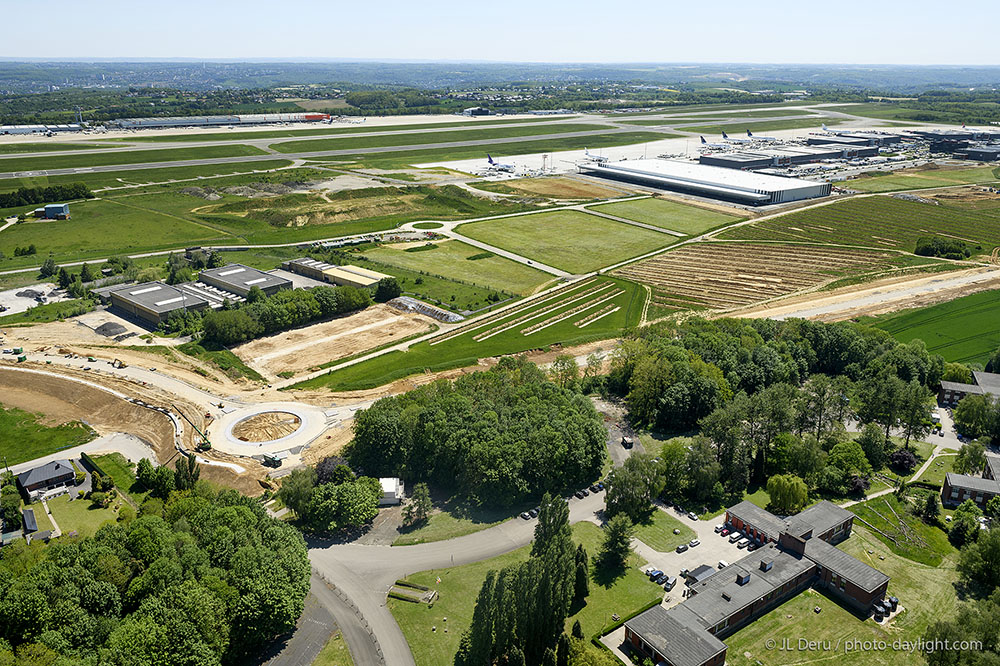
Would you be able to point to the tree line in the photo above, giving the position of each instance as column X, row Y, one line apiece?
column 201, row 576
column 330, row 496
column 32, row 196
column 499, row 436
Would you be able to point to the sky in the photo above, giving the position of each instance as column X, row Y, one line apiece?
column 768, row 31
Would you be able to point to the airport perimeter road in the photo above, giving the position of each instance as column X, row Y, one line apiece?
column 365, row 573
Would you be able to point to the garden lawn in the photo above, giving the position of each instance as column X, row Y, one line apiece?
column 23, row 437
column 122, row 472
column 657, row 532
column 963, row 330
column 685, row 219
column 77, row 515
column 75, row 161
column 569, row 240
column 450, row 259
column 877, row 512
column 443, row 525
column 937, row 470
column 926, row 593
column 912, row 179
column 460, row 348
column 460, row 585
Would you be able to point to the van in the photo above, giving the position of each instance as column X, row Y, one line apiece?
column 723, row 564
column 670, row 583
column 743, row 543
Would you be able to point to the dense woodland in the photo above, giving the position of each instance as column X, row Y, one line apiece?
column 200, row 577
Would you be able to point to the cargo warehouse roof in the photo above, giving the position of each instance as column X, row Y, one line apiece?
column 158, row 297
column 240, row 279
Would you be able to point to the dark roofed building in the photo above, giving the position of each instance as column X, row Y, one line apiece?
column 960, row 487
column 50, row 475
column 239, row 279
column 28, row 518
column 153, row 302
column 699, row 574
column 797, row 554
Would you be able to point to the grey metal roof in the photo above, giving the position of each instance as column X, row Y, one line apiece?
column 753, row 515
column 988, row 381
column 239, row 279
column 993, row 464
column 960, row 387
column 720, row 595
column 159, row 297
column 824, row 516
column 30, row 524
column 972, row 483
column 700, row 573
column 847, row 566
column 676, row 635
column 45, row 473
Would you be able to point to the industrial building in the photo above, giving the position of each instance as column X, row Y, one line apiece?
column 964, row 134
column 980, row 153
column 795, row 553
column 762, row 159
column 52, row 212
column 40, row 129
column 711, row 181
column 152, row 302
column 352, row 276
column 836, row 140
column 215, row 121
column 239, row 279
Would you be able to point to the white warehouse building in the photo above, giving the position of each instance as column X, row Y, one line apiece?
column 744, row 187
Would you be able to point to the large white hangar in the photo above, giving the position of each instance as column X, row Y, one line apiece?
column 730, row 184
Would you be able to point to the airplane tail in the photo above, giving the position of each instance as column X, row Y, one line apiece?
column 749, row 134
column 489, row 159
column 703, row 140
column 825, row 128
column 724, row 136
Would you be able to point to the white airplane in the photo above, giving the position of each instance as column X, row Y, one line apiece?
column 600, row 159
column 712, row 145
column 768, row 139
column 496, row 166
column 836, row 132
column 726, row 138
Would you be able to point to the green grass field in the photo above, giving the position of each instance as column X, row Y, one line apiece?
column 223, row 359
column 675, row 119
column 334, row 653
column 964, row 330
column 76, row 515
column 658, row 532
column 449, row 259
column 15, row 148
column 125, row 157
column 913, row 179
column 569, row 240
column 739, row 130
column 941, row 466
column 461, row 348
column 455, row 521
column 123, row 473
column 26, row 438
column 690, row 220
column 879, row 512
column 460, row 585
column 418, row 138
column 331, row 130
column 121, row 179
column 877, row 222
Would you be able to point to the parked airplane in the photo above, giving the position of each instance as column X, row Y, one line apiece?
column 768, row 139
column 836, row 132
column 600, row 159
column 496, row 166
column 725, row 137
column 712, row 145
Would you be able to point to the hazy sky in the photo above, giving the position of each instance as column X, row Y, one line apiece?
column 772, row 31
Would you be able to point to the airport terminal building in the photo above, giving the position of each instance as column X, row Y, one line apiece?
column 710, row 181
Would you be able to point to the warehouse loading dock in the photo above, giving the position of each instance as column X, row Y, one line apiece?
column 728, row 184
column 352, row 276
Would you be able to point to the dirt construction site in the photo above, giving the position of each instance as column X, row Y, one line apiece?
column 309, row 347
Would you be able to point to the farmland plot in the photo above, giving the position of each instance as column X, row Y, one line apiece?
column 879, row 222
column 732, row 275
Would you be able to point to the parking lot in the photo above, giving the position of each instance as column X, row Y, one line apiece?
column 710, row 551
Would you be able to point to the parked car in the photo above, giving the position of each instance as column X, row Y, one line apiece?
column 600, row 485
column 735, row 536
column 684, row 573
column 723, row 564
column 579, row 494
column 752, row 547
column 662, row 578
column 526, row 515
column 719, row 528
column 694, row 542
column 670, row 583
column 534, row 512
column 586, row 493
column 681, row 548
column 626, row 442
column 743, row 543
column 692, row 515
column 724, row 532
column 653, row 573
column 594, row 488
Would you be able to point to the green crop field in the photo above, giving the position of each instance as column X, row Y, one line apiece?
column 685, row 219
column 450, row 259
column 26, row 438
column 417, row 138
column 331, row 130
column 569, row 240
column 739, row 130
column 15, row 148
column 559, row 317
column 964, row 330
column 124, row 178
column 459, row 587
column 878, row 222
column 75, row 161
column 914, row 179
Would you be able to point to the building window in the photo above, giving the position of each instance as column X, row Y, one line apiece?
column 722, row 625
column 954, row 493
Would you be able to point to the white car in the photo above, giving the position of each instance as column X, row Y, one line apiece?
column 735, row 536
column 743, row 543
column 719, row 528
column 723, row 564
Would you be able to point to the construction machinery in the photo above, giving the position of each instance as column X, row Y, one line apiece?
column 204, row 444
column 117, row 363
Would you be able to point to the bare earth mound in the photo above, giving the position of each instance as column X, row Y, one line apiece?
column 266, row 427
